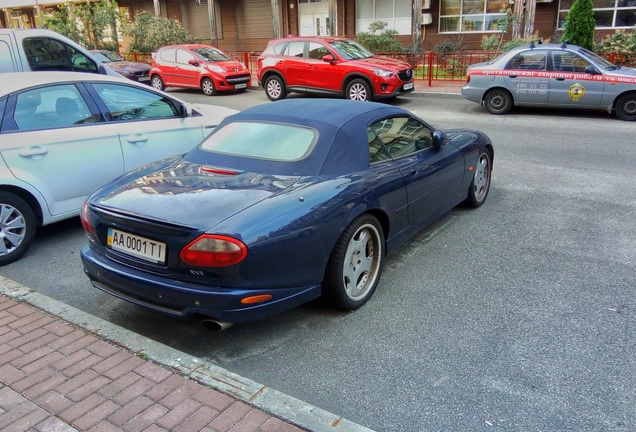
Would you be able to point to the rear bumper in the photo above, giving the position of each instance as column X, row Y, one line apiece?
column 473, row 94
column 184, row 300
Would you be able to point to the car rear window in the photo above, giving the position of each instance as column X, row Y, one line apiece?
column 261, row 140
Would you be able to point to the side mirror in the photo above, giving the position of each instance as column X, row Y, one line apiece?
column 193, row 63
column 328, row 58
column 592, row 70
column 439, row 138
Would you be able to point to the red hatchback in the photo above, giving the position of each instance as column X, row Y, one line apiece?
column 330, row 65
column 198, row 66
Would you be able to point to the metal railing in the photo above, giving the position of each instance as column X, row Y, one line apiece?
column 426, row 65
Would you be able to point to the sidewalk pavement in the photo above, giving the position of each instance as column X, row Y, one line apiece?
column 62, row 370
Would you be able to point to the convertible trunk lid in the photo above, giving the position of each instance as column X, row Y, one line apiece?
column 190, row 195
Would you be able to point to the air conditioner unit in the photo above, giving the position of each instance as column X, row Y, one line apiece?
column 426, row 4
column 426, row 19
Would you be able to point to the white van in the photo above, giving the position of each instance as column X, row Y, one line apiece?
column 45, row 50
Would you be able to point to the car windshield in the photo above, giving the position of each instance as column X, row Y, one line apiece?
column 351, row 50
column 211, row 55
column 600, row 61
column 260, row 140
column 106, row 57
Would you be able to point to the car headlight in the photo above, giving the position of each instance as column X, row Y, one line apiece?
column 125, row 73
column 217, row 69
column 383, row 73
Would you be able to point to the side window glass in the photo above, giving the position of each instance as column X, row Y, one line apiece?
column 183, row 57
column 6, row 60
column 568, row 62
column 81, row 63
column 317, row 51
column 528, row 60
column 51, row 107
column 403, row 135
column 279, row 48
column 167, row 55
column 44, row 54
column 377, row 152
column 295, row 49
column 130, row 103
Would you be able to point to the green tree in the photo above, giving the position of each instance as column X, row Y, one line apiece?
column 148, row 32
column 579, row 24
column 379, row 38
column 93, row 25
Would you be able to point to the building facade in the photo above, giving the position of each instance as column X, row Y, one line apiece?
column 247, row 25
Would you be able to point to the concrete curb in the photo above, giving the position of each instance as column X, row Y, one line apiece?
column 246, row 390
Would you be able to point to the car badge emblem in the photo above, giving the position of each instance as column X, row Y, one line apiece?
column 576, row 92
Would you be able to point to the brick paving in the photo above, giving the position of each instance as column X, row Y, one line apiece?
column 55, row 377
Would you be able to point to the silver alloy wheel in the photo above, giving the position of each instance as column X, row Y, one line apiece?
column 358, row 91
column 12, row 229
column 157, row 83
column 481, row 181
column 274, row 88
column 362, row 262
column 207, row 86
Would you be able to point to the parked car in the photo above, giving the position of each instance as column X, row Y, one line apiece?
column 330, row 66
column 24, row 50
column 552, row 75
column 135, row 71
column 198, row 66
column 282, row 203
column 63, row 135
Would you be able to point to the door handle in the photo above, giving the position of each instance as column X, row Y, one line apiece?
column 137, row 139
column 560, row 79
column 512, row 76
column 34, row 151
column 413, row 172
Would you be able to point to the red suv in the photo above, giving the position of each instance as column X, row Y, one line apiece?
column 330, row 65
column 198, row 66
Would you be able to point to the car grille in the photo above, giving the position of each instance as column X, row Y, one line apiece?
column 142, row 73
column 405, row 75
column 238, row 79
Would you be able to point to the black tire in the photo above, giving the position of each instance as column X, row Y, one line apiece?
column 480, row 185
column 355, row 264
column 207, row 87
column 275, row 88
column 625, row 107
column 157, row 82
column 17, row 227
column 359, row 90
column 498, row 101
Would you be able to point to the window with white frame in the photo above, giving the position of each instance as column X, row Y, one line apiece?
column 471, row 15
column 607, row 13
column 396, row 13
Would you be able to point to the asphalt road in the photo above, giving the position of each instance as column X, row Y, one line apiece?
column 518, row 316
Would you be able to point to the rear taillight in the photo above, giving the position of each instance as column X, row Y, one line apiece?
column 467, row 79
column 86, row 222
column 210, row 250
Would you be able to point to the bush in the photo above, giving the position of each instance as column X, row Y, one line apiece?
column 579, row 24
column 93, row 25
column 148, row 33
column 492, row 43
column 382, row 42
column 620, row 41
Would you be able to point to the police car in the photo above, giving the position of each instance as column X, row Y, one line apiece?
column 555, row 75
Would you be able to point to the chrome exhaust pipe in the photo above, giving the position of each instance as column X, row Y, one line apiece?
column 213, row 325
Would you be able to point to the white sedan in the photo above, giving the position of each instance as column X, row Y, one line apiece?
column 63, row 135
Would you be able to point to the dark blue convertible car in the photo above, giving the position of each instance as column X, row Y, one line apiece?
column 281, row 204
